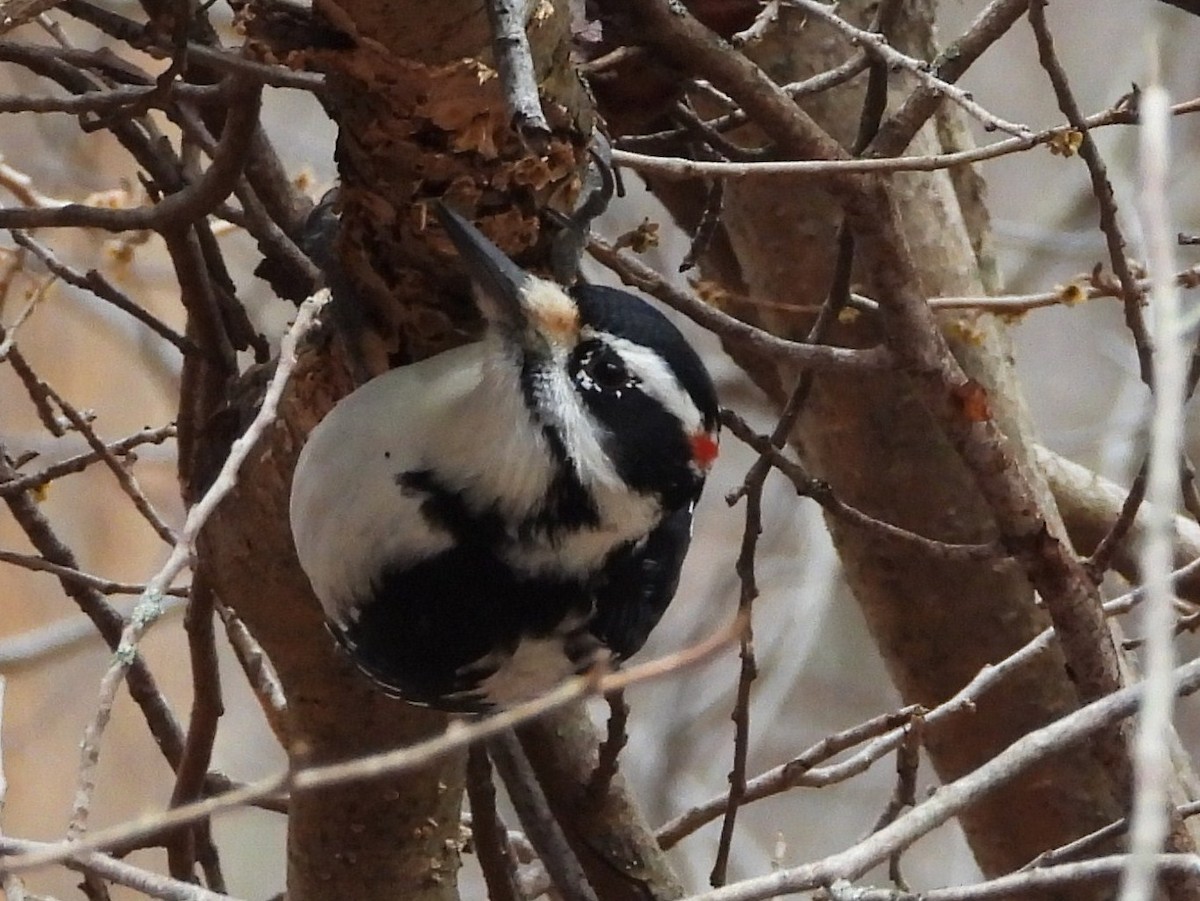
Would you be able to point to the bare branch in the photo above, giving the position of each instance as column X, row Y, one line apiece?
column 951, row 64
column 36, row 480
column 1084, row 723
column 1062, row 877
column 608, row 758
column 537, row 819
column 124, row 477
column 801, row 771
column 91, row 862
column 817, row 356
column 678, row 168
column 109, row 623
column 220, row 59
column 878, row 45
column 193, row 202
column 97, row 284
column 1101, row 186
column 100, row 584
column 487, row 832
column 514, row 62
column 1149, row 820
column 261, row 675
column 457, row 736
column 807, row 486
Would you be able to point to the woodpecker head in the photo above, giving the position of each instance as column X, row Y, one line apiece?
column 618, row 392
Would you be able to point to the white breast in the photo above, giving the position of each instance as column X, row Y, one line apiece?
column 349, row 515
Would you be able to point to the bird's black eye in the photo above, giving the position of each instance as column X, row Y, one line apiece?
column 599, row 368
column 608, row 372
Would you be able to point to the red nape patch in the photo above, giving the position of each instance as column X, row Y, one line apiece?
column 704, row 449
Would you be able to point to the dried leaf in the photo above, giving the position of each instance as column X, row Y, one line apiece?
column 1072, row 294
column 1066, row 143
column 641, row 239
column 973, row 400
column 712, row 293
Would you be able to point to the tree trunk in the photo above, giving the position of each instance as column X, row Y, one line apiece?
column 421, row 117
column 936, row 621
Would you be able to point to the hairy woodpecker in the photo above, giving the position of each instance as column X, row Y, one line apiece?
column 482, row 524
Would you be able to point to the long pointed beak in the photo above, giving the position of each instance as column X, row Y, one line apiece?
column 499, row 282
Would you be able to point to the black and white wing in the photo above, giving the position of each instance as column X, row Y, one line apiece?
column 638, row 582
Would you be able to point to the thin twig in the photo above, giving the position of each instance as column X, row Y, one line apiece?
column 36, row 297
column 273, row 239
column 35, row 388
column 904, row 794
column 193, row 202
column 138, row 36
column 609, row 754
column 94, row 282
column 92, row 862
column 816, row 356
column 762, row 22
column 125, row 478
column 822, row 81
column 1101, row 187
column 112, row 99
column 189, row 844
column 807, row 486
column 100, row 584
column 747, row 673
column 874, row 104
column 877, row 44
column 950, row 65
column 723, row 148
column 36, row 480
column 1050, row 881
column 803, row 771
column 487, row 832
column 1087, row 844
column 109, row 623
column 1110, row 545
column 678, row 168
column 259, row 672
column 752, row 489
column 20, row 186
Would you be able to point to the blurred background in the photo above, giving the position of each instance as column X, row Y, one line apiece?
column 819, row 671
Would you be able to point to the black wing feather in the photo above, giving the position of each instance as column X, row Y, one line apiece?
column 638, row 582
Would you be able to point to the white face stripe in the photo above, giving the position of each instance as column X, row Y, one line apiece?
column 656, row 378
column 581, row 433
